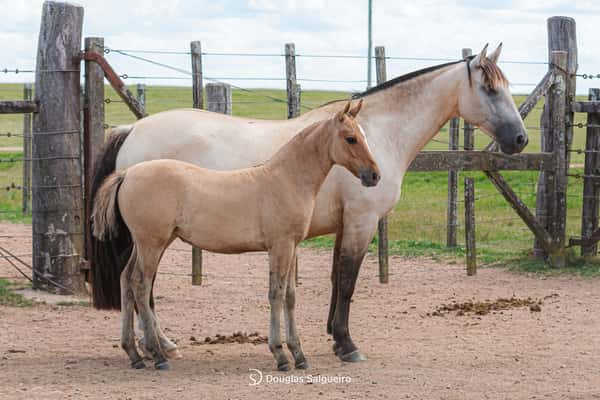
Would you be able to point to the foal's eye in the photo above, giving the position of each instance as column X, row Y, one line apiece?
column 351, row 140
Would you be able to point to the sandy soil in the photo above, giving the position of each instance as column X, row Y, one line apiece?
column 51, row 351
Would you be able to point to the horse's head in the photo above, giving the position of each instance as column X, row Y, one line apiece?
column 485, row 101
column 350, row 148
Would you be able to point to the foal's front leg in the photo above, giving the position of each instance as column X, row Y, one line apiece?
column 292, row 338
column 280, row 260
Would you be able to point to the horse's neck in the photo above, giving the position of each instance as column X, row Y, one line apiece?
column 305, row 160
column 404, row 118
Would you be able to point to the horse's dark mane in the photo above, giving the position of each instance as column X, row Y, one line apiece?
column 403, row 78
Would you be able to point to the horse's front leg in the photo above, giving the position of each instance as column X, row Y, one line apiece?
column 280, row 261
column 292, row 338
column 357, row 234
column 334, row 281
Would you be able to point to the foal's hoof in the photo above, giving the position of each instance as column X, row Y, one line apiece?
column 174, row 354
column 284, row 367
column 302, row 364
column 162, row 366
column 355, row 356
column 138, row 364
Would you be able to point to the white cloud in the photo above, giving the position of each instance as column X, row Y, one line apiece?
column 426, row 28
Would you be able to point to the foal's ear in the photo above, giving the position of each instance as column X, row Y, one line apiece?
column 340, row 115
column 494, row 56
column 354, row 110
column 480, row 58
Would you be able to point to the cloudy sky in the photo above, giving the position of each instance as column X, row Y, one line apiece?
column 417, row 29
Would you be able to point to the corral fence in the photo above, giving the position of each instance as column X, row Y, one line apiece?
column 69, row 124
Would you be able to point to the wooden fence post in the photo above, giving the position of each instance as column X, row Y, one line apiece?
column 218, row 98
column 141, row 96
column 470, row 226
column 469, row 132
column 290, row 81
column 452, row 212
column 58, row 210
column 93, row 123
column 591, row 190
column 382, row 225
column 198, row 99
column 561, row 37
column 26, row 187
column 197, row 85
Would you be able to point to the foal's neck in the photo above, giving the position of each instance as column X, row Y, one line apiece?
column 305, row 160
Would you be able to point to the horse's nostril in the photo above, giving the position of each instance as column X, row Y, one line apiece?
column 521, row 139
column 375, row 176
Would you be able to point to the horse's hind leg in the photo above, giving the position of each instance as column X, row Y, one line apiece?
column 142, row 276
column 280, row 260
column 292, row 338
column 334, row 281
column 127, row 305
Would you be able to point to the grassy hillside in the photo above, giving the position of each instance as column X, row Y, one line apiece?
column 417, row 225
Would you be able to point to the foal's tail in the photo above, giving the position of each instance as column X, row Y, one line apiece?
column 107, row 224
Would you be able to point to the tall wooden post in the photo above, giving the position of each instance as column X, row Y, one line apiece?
column 382, row 225
column 591, row 190
column 58, row 210
column 469, row 132
column 197, row 85
column 93, row 123
column 27, row 95
column 198, row 102
column 218, row 98
column 470, row 226
column 452, row 212
column 290, row 81
column 141, row 96
column 561, row 37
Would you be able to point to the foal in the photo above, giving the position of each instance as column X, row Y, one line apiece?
column 267, row 207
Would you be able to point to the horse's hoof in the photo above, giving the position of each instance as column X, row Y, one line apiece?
column 138, row 364
column 174, row 354
column 285, row 367
column 355, row 356
column 302, row 365
column 162, row 366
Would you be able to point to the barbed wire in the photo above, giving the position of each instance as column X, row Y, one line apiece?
column 17, row 71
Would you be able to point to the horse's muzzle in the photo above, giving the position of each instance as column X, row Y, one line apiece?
column 369, row 177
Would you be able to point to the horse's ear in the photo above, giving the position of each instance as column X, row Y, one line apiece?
column 340, row 115
column 354, row 110
column 496, row 54
column 480, row 57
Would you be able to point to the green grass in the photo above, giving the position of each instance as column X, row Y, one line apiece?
column 416, row 225
column 9, row 298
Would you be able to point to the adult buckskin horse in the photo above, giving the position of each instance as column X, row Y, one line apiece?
column 399, row 117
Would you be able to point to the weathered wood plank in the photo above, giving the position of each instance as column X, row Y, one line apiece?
column 452, row 208
column 591, row 190
column 470, row 226
column 93, row 123
column 58, row 209
column 290, row 81
column 218, row 98
column 382, row 224
column 511, row 197
column 480, row 161
column 592, row 106
column 197, row 85
column 18, row 107
column 27, row 96
column 540, row 90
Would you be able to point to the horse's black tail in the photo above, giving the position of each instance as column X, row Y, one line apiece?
column 109, row 256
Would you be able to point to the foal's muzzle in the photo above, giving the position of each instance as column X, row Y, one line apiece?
column 369, row 177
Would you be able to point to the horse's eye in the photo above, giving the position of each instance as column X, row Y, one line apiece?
column 351, row 140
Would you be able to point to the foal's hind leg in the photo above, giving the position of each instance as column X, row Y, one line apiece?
column 280, row 260
column 142, row 276
column 292, row 338
column 127, row 303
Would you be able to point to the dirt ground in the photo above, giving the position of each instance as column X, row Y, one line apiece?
column 536, row 338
